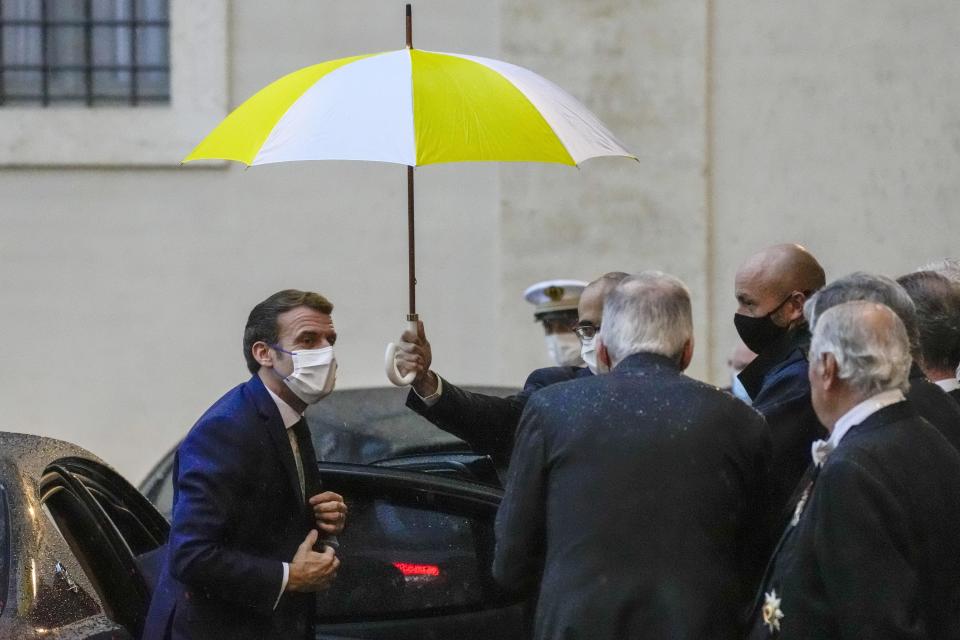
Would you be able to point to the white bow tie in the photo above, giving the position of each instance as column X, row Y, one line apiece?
column 819, row 450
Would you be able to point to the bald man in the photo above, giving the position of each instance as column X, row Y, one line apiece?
column 488, row 423
column 771, row 288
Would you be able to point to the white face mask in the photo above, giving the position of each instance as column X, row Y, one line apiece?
column 564, row 349
column 588, row 351
column 314, row 374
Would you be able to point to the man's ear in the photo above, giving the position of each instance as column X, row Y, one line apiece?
column 603, row 356
column 687, row 355
column 262, row 353
column 793, row 310
column 830, row 376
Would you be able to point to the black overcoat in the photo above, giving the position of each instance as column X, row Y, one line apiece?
column 635, row 493
column 875, row 552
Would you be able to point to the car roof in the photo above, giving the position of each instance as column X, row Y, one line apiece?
column 368, row 425
column 32, row 453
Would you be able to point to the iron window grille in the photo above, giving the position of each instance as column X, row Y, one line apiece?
column 95, row 52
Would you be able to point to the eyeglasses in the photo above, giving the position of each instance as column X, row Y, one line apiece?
column 586, row 331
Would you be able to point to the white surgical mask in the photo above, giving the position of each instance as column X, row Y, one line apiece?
column 588, row 351
column 564, row 349
column 314, row 374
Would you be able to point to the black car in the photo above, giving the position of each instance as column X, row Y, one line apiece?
column 368, row 427
column 79, row 545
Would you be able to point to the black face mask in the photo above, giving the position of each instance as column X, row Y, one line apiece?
column 759, row 333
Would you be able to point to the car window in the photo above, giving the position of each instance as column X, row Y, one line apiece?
column 364, row 426
column 400, row 558
column 135, row 519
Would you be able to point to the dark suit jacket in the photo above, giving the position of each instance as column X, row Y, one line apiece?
column 488, row 423
column 237, row 515
column 936, row 405
column 635, row 494
column 777, row 382
column 955, row 394
column 929, row 401
column 876, row 551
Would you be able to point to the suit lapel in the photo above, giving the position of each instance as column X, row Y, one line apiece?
column 273, row 423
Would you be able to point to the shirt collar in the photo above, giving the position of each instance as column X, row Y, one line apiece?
column 820, row 449
column 948, row 384
column 287, row 413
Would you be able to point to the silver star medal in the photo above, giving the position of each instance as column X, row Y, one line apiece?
column 771, row 611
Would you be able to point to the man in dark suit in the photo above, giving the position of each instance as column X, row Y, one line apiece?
column 873, row 550
column 938, row 327
column 247, row 507
column 930, row 401
column 771, row 288
column 634, row 494
column 488, row 423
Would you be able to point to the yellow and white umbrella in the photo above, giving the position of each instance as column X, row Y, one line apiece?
column 410, row 107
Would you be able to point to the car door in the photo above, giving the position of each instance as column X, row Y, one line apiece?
column 416, row 559
column 111, row 529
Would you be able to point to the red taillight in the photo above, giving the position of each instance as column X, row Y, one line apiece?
column 410, row 569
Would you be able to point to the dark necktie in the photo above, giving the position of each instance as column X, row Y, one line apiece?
column 308, row 459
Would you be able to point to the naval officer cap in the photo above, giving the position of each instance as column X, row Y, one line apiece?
column 554, row 297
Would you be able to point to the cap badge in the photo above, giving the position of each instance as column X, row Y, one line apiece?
column 554, row 293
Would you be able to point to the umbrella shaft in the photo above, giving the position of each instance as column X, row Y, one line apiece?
column 409, row 28
column 411, row 244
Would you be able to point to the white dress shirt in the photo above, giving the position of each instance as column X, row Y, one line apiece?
column 820, row 449
column 290, row 417
column 948, row 384
column 432, row 399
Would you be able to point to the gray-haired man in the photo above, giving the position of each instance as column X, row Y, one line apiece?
column 931, row 401
column 873, row 550
column 635, row 494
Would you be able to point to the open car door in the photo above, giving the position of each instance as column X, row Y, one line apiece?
column 111, row 528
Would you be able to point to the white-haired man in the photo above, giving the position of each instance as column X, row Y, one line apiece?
column 931, row 402
column 635, row 494
column 873, row 550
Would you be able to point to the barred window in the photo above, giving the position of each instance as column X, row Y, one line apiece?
column 92, row 52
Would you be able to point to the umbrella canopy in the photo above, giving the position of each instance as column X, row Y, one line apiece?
column 411, row 107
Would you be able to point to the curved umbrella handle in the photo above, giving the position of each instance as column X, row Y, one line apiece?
column 390, row 362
